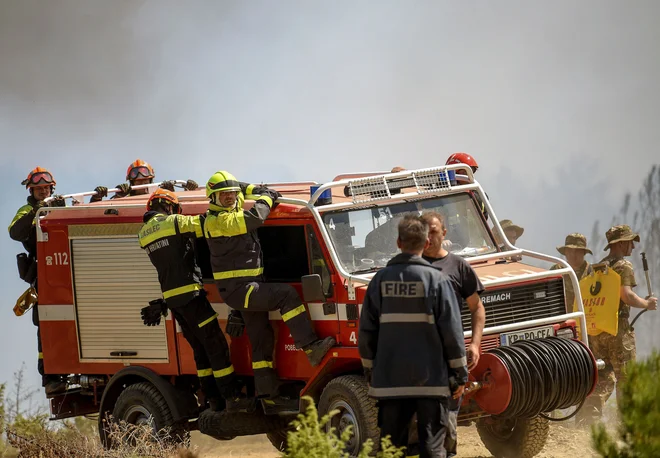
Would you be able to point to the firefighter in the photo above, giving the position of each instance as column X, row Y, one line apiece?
column 468, row 288
column 465, row 158
column 138, row 173
column 237, row 264
column 169, row 239
column 411, row 343
column 41, row 184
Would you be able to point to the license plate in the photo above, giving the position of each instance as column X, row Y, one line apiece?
column 527, row 334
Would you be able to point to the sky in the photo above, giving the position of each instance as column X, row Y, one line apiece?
column 558, row 101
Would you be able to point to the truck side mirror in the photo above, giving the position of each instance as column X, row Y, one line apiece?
column 312, row 288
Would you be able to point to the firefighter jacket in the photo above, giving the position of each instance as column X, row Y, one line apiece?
column 410, row 334
column 232, row 237
column 170, row 243
column 22, row 227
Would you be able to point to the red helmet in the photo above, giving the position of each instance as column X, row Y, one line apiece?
column 138, row 169
column 463, row 158
column 163, row 196
column 39, row 176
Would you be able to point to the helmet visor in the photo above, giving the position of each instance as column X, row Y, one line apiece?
column 137, row 172
column 41, row 178
column 227, row 185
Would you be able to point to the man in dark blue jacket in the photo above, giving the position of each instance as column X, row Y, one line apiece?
column 411, row 343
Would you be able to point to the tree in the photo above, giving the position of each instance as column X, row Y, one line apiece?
column 639, row 430
column 643, row 216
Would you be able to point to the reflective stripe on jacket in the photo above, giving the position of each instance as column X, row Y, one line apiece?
column 232, row 238
column 170, row 243
column 22, row 227
column 410, row 334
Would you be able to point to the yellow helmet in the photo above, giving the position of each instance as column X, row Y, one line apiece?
column 222, row 181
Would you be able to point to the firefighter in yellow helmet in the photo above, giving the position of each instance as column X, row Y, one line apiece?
column 138, row 173
column 237, row 264
column 168, row 237
column 41, row 184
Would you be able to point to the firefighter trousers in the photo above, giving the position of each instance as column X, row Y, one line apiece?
column 45, row 379
column 255, row 299
column 199, row 324
column 395, row 415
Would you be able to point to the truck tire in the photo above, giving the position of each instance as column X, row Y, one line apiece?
column 143, row 403
column 511, row 438
column 349, row 395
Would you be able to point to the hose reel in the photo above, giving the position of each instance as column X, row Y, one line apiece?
column 533, row 376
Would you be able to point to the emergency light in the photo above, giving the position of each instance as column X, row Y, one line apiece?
column 324, row 199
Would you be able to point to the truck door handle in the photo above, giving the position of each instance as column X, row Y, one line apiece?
column 123, row 353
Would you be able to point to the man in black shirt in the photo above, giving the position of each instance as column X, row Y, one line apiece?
column 468, row 288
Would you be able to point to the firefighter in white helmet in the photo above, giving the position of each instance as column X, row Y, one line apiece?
column 237, row 265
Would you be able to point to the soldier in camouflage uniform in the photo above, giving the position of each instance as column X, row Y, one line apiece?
column 617, row 350
column 574, row 250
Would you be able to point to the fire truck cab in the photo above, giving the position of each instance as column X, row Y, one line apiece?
column 327, row 240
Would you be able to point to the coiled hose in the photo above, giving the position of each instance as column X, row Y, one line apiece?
column 546, row 374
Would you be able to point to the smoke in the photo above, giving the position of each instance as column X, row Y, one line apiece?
column 558, row 102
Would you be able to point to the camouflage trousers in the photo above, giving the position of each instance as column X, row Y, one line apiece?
column 615, row 351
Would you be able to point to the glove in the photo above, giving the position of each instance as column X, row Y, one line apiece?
column 124, row 189
column 58, row 201
column 367, row 375
column 235, row 324
column 101, row 192
column 38, row 205
column 270, row 193
column 191, row 185
column 151, row 314
column 168, row 184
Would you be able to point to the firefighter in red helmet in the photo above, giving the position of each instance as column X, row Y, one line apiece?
column 463, row 158
column 168, row 237
column 138, row 173
column 41, row 184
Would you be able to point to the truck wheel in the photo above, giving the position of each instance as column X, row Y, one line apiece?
column 348, row 395
column 511, row 438
column 143, row 404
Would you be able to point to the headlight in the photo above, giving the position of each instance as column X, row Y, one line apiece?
column 566, row 333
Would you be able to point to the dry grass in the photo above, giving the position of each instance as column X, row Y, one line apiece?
column 131, row 442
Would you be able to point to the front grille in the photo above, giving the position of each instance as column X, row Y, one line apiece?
column 521, row 303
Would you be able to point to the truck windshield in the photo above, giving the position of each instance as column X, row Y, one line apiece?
column 365, row 239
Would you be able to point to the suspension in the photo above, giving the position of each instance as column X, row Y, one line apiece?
column 531, row 377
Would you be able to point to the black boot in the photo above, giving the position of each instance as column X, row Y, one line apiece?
column 280, row 405
column 317, row 350
column 240, row 403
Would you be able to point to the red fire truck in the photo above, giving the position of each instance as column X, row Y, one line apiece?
column 327, row 240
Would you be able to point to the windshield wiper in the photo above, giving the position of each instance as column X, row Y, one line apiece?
column 368, row 270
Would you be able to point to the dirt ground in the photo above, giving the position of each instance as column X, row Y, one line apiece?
column 562, row 443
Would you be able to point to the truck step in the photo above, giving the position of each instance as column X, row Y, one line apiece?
column 221, row 425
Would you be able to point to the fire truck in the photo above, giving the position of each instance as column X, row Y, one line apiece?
column 327, row 240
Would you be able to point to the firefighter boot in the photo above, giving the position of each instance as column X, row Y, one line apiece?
column 280, row 405
column 317, row 350
column 240, row 403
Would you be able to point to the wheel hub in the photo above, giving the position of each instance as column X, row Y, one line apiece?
column 345, row 418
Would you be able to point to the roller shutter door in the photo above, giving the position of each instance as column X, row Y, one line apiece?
column 113, row 280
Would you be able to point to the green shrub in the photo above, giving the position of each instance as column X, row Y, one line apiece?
column 310, row 439
column 639, row 415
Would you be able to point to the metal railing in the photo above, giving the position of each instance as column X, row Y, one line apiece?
column 76, row 197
